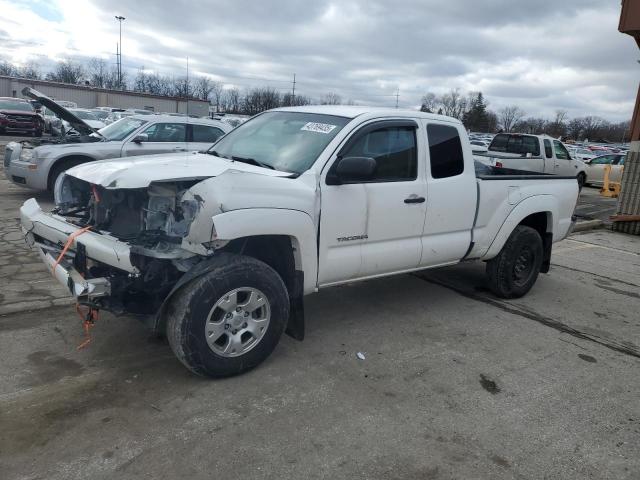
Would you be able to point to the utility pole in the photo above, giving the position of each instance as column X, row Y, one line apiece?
column 120, row 18
column 397, row 96
column 293, row 90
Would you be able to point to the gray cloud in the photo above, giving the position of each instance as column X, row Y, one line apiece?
column 541, row 55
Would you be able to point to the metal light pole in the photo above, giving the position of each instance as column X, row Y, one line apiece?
column 120, row 18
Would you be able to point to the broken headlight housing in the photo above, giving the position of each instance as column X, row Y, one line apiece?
column 168, row 211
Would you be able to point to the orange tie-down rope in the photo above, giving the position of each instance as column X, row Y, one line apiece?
column 75, row 234
column 89, row 319
column 91, row 315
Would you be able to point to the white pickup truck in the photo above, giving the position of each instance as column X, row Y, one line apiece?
column 533, row 153
column 218, row 249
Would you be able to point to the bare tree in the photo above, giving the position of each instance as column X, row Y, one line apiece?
column 453, row 104
column 533, row 125
column 142, row 81
column 574, row 128
column 492, row 121
column 232, row 100
column 592, row 127
column 67, row 71
column 98, row 72
column 182, row 86
column 509, row 116
column 429, row 103
column 558, row 127
column 202, row 88
column 30, row 70
column 217, row 91
column 290, row 100
column 7, row 68
column 331, row 99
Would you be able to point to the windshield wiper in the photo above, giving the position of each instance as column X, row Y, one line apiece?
column 252, row 161
column 215, row 154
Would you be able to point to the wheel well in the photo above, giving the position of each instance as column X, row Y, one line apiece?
column 540, row 222
column 69, row 161
column 278, row 252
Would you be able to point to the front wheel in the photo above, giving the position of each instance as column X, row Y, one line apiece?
column 513, row 272
column 230, row 319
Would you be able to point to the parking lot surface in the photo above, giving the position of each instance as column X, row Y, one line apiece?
column 454, row 383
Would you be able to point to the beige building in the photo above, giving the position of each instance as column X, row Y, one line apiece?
column 90, row 97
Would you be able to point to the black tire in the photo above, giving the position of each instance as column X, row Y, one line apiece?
column 513, row 272
column 189, row 309
column 582, row 180
column 59, row 168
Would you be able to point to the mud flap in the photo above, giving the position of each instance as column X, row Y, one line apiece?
column 295, row 327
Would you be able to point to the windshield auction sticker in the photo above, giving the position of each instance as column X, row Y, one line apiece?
column 318, row 127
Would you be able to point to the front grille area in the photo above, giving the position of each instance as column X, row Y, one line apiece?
column 21, row 118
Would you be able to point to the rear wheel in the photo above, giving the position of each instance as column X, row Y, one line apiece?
column 230, row 319
column 513, row 272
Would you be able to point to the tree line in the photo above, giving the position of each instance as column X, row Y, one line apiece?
column 473, row 110
column 471, row 107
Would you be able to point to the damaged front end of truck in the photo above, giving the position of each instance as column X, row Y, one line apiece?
column 120, row 249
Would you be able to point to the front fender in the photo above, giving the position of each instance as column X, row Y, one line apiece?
column 274, row 221
column 529, row 206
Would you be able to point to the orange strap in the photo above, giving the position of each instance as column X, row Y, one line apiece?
column 89, row 319
column 75, row 234
column 95, row 193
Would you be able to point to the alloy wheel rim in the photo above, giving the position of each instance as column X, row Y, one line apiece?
column 237, row 322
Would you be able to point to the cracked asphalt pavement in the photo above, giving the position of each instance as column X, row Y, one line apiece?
column 455, row 383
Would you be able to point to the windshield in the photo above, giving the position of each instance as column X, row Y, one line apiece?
column 121, row 129
column 15, row 105
column 286, row 141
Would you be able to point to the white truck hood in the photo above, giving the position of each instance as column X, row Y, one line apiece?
column 139, row 172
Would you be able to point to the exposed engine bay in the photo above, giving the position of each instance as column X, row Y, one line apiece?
column 153, row 221
column 155, row 218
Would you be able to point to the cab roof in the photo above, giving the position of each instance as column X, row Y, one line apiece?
column 350, row 111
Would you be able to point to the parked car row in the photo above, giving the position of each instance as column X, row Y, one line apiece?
column 39, row 164
column 31, row 117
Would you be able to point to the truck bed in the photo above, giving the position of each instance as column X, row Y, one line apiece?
column 498, row 199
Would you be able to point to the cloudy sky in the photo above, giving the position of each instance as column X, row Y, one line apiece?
column 542, row 55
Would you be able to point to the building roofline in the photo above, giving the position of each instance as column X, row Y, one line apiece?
column 90, row 88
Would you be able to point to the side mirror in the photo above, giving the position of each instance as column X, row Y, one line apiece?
column 142, row 137
column 352, row 169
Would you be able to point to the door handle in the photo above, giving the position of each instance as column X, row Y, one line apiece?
column 414, row 199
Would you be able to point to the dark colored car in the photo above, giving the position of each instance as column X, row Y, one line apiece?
column 17, row 115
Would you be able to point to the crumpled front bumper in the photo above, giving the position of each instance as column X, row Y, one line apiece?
column 38, row 226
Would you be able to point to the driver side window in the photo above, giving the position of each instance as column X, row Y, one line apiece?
column 166, row 132
column 393, row 149
column 561, row 152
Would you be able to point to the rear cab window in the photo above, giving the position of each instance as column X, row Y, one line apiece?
column 516, row 144
column 445, row 151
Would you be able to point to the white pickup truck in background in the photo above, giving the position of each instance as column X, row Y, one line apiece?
column 217, row 249
column 532, row 153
